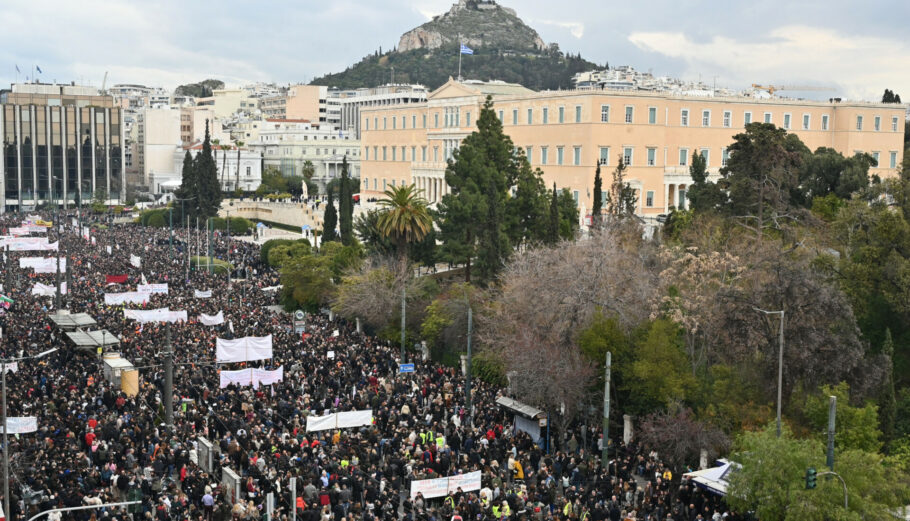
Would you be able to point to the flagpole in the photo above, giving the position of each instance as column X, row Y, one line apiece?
column 459, row 59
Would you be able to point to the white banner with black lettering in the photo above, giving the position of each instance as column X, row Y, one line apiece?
column 440, row 487
column 252, row 376
column 129, row 297
column 43, row 264
column 28, row 244
column 212, row 320
column 202, row 293
column 244, row 349
column 155, row 315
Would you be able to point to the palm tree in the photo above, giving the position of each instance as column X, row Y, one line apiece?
column 404, row 219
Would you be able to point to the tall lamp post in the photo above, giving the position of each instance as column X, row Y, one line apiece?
column 170, row 212
column 5, row 440
column 780, row 361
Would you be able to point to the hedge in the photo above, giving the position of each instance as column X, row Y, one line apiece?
column 221, row 267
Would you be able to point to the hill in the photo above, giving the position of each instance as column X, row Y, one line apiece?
column 505, row 48
column 202, row 89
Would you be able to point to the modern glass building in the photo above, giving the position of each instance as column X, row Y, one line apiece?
column 62, row 144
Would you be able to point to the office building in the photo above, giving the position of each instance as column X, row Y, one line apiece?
column 353, row 101
column 61, row 143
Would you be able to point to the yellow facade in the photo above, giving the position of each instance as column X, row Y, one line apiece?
column 566, row 133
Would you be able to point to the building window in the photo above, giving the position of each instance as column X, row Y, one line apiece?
column 394, row 123
column 543, row 155
column 706, row 118
column 423, row 153
column 705, row 153
column 375, row 153
column 545, row 115
column 747, row 118
column 436, row 120
column 384, row 123
column 392, row 183
column 652, row 115
column 787, row 121
column 649, row 198
column 384, row 156
column 824, row 122
column 375, row 123
column 627, row 156
column 366, row 122
column 529, row 152
column 424, row 121
column 682, row 199
column 375, row 186
column 578, row 113
column 652, row 156
column 530, row 116
column 684, row 118
column 767, row 117
column 893, row 159
column 894, row 124
column 414, row 121
column 366, row 156
column 404, row 122
column 366, row 183
column 248, row 171
column 562, row 114
column 514, row 116
column 576, row 159
column 724, row 156
column 875, row 156
column 877, row 123
column 500, row 117
column 605, row 155
column 604, row 113
column 859, row 122
column 467, row 118
column 806, row 119
column 683, row 157
column 383, row 185
column 629, row 111
column 559, row 155
column 728, row 117
column 436, row 154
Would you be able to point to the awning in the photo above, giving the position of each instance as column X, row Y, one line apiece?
column 99, row 338
column 716, row 479
column 521, row 408
column 72, row 320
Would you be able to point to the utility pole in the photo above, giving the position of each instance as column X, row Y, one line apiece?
column 606, row 433
column 169, row 380
column 6, row 509
column 170, row 238
column 208, row 228
column 59, row 241
column 467, row 388
column 780, row 362
column 403, row 290
column 832, row 409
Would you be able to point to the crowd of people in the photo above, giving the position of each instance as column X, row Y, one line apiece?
column 97, row 444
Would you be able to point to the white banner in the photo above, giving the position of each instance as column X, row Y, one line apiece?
column 252, row 376
column 244, row 349
column 202, row 294
column 27, row 229
column 152, row 288
column 12, row 367
column 212, row 320
column 135, row 261
column 440, row 487
column 43, row 290
column 43, row 264
column 155, row 315
column 341, row 420
column 108, row 249
column 28, row 244
column 129, row 297
column 21, row 424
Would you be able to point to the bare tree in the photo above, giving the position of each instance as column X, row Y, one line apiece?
column 373, row 294
column 680, row 438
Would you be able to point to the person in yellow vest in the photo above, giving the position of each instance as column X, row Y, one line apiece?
column 519, row 470
column 668, row 476
column 440, row 441
column 567, row 510
column 449, row 503
column 506, row 511
column 496, row 512
column 423, row 438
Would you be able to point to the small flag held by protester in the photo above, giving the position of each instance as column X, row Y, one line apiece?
column 5, row 302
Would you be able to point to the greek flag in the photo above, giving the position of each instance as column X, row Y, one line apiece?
column 466, row 50
column 39, row 69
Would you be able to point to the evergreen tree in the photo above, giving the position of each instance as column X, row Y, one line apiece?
column 345, row 206
column 329, row 220
column 480, row 174
column 597, row 208
column 887, row 404
column 553, row 224
column 568, row 215
column 526, row 210
column 189, row 186
column 493, row 247
column 702, row 194
column 209, row 191
column 621, row 199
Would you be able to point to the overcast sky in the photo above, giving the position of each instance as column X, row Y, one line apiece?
column 857, row 48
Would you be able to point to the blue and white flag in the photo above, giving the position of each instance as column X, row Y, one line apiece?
column 466, row 50
column 39, row 69
column 17, row 69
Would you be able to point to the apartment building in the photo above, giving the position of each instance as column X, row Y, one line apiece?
column 567, row 133
column 315, row 103
column 392, row 94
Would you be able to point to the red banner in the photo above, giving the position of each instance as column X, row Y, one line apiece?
column 115, row 279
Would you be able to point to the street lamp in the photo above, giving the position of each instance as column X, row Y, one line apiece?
column 780, row 361
column 170, row 213
column 5, row 440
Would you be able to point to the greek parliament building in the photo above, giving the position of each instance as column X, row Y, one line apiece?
column 566, row 133
column 61, row 143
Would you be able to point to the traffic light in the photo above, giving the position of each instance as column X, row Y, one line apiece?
column 811, row 478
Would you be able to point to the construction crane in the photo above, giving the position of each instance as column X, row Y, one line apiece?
column 771, row 89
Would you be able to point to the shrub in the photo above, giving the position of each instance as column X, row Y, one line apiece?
column 221, row 267
column 157, row 221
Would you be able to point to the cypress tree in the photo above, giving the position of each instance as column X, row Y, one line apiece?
column 597, row 208
column 330, row 220
column 209, row 191
column 553, row 225
column 189, row 187
column 345, row 206
column 887, row 404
